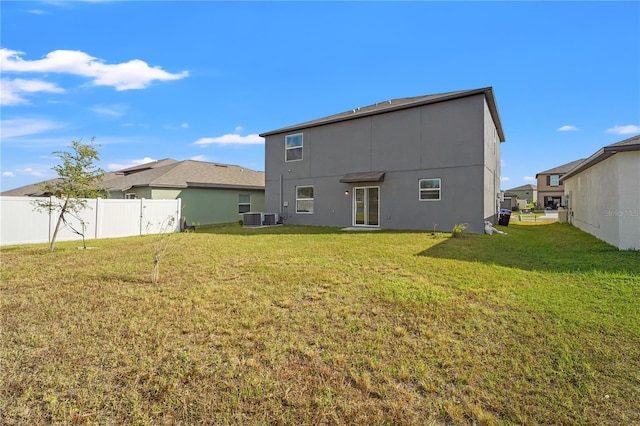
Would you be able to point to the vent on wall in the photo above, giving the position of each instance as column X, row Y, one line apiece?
column 252, row 219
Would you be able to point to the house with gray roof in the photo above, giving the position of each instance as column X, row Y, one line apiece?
column 412, row 163
column 211, row 193
column 526, row 192
column 550, row 188
column 603, row 194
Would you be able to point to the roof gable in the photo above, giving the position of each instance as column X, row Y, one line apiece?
column 399, row 104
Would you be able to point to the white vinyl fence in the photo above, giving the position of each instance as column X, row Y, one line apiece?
column 21, row 223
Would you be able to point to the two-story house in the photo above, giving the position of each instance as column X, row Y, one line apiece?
column 550, row 188
column 413, row 163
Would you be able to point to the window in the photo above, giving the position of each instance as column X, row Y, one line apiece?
column 429, row 189
column 554, row 180
column 293, row 147
column 244, row 203
column 130, row 196
column 304, row 199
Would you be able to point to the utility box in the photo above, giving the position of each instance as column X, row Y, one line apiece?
column 563, row 215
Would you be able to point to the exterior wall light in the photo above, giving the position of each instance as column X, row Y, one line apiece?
column 346, row 192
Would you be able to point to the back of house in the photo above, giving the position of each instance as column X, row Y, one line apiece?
column 413, row 163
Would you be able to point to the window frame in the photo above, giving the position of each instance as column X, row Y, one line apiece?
column 422, row 190
column 240, row 203
column 312, row 199
column 130, row 196
column 557, row 180
column 287, row 148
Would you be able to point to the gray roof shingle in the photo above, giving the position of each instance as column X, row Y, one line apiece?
column 398, row 104
column 170, row 173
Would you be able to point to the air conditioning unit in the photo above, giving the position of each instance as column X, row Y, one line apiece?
column 252, row 219
column 270, row 219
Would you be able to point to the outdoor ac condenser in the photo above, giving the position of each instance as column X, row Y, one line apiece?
column 270, row 219
column 252, row 219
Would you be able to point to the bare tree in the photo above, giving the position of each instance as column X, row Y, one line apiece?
column 78, row 178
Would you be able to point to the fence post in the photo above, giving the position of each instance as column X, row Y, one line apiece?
column 95, row 234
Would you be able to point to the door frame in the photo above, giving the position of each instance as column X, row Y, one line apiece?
column 366, row 207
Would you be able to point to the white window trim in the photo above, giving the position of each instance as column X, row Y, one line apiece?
column 301, row 147
column 244, row 204
column 305, row 199
column 130, row 196
column 439, row 189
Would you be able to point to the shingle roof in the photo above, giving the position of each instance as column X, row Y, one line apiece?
column 527, row 187
column 398, row 104
column 561, row 169
column 631, row 144
column 170, row 173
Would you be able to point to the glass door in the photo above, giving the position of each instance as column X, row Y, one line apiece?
column 366, row 206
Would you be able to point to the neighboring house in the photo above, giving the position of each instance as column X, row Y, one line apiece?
column 550, row 188
column 604, row 194
column 525, row 192
column 211, row 193
column 413, row 163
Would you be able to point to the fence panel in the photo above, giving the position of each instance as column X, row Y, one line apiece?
column 83, row 221
column 21, row 223
column 118, row 218
column 158, row 214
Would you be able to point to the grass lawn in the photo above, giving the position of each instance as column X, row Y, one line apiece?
column 297, row 325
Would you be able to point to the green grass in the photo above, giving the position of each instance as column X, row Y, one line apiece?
column 303, row 325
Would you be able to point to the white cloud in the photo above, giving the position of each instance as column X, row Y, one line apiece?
column 567, row 128
column 12, row 91
column 231, row 139
column 111, row 110
column 238, row 129
column 8, row 174
column 502, row 163
column 624, row 130
column 132, row 163
column 27, row 126
column 505, row 179
column 199, row 158
column 32, row 172
column 185, row 125
column 529, row 178
column 135, row 74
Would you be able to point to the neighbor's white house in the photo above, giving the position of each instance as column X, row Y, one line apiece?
column 603, row 194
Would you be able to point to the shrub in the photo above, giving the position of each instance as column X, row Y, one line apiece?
column 458, row 230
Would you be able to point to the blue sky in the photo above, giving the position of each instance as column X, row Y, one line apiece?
column 200, row 80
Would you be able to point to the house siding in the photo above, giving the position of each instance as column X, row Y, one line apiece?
column 205, row 206
column 445, row 140
column 604, row 200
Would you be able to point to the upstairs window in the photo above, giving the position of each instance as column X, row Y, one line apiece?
column 304, row 199
column 429, row 189
column 244, row 203
column 293, row 147
column 553, row 180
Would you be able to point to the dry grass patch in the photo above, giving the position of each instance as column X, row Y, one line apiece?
column 301, row 325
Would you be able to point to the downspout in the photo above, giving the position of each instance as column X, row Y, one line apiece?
column 281, row 209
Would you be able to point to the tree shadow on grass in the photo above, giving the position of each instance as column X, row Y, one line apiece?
column 552, row 247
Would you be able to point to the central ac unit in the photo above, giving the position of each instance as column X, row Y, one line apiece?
column 270, row 219
column 252, row 219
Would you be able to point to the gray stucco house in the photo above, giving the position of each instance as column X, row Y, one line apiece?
column 413, row 163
